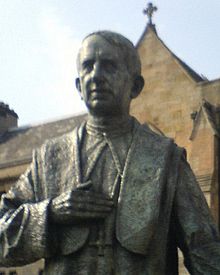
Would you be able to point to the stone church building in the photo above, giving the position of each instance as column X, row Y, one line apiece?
column 176, row 102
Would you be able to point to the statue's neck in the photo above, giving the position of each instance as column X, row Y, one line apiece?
column 110, row 124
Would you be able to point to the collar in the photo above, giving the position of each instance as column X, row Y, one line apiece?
column 117, row 129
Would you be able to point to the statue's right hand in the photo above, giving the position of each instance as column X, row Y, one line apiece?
column 79, row 205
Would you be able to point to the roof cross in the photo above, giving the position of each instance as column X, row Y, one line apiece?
column 149, row 11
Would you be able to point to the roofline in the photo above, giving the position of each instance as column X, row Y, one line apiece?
column 148, row 26
column 207, row 82
column 12, row 173
column 81, row 114
column 202, row 109
column 14, row 163
column 186, row 68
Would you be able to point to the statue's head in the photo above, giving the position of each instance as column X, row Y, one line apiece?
column 109, row 71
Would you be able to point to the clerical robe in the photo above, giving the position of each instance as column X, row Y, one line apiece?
column 159, row 207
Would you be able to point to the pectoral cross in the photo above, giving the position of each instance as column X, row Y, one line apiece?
column 149, row 11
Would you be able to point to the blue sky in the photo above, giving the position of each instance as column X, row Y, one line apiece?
column 40, row 40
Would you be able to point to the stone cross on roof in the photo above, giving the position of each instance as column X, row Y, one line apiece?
column 149, row 11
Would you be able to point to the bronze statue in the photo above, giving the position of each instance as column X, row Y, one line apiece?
column 111, row 197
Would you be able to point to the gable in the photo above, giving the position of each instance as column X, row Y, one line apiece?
column 205, row 119
column 152, row 50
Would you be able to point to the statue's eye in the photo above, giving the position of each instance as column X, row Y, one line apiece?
column 88, row 65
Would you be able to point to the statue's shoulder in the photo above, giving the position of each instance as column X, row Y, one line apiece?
column 63, row 142
column 147, row 133
column 158, row 141
column 159, row 145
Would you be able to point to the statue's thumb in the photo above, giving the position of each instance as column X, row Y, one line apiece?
column 84, row 186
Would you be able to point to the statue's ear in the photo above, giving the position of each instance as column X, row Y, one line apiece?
column 77, row 83
column 138, row 86
column 78, row 87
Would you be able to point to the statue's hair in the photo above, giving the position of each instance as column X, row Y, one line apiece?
column 128, row 50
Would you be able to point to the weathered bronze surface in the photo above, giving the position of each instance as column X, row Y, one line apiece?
column 111, row 197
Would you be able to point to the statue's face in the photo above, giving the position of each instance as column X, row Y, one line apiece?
column 104, row 80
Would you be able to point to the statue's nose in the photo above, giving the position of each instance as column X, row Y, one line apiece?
column 97, row 74
column 97, row 70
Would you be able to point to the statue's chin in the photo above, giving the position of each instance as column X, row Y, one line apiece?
column 100, row 108
column 102, row 111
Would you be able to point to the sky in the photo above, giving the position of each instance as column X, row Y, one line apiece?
column 40, row 40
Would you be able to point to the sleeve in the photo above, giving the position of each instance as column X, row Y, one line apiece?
column 24, row 223
column 196, row 233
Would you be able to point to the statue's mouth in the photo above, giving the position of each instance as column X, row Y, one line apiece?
column 100, row 92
